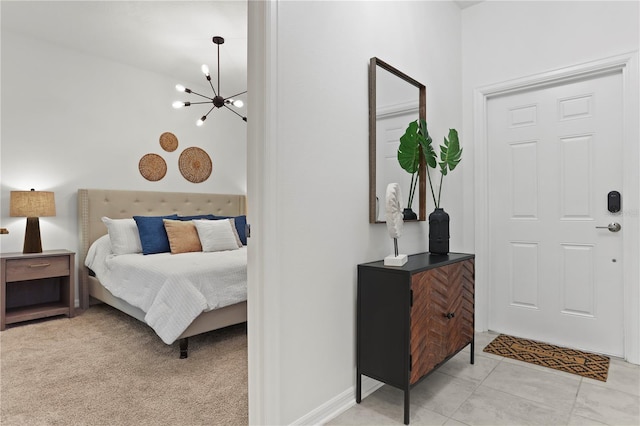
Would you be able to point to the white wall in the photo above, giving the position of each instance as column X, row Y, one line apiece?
column 315, row 173
column 503, row 41
column 70, row 121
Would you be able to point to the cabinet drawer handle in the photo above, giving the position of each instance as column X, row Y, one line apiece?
column 450, row 315
column 39, row 265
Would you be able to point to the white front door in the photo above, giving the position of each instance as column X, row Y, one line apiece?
column 554, row 155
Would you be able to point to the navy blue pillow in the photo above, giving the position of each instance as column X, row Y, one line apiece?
column 153, row 236
column 196, row 217
column 241, row 222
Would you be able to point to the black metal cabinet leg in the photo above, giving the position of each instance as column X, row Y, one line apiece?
column 473, row 350
column 406, row 406
column 358, row 387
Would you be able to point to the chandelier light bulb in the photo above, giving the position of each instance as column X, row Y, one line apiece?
column 200, row 122
column 178, row 104
column 181, row 88
column 205, row 70
column 238, row 103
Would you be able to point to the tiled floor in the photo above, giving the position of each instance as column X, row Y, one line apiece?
column 500, row 391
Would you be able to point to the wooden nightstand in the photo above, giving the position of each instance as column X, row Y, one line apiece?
column 36, row 285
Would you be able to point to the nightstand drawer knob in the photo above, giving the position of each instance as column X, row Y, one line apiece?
column 40, row 265
column 450, row 315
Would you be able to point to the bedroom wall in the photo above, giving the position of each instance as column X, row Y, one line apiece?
column 314, row 180
column 502, row 41
column 71, row 120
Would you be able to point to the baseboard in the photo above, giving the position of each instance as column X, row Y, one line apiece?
column 338, row 405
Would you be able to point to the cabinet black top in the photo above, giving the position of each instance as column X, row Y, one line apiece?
column 420, row 262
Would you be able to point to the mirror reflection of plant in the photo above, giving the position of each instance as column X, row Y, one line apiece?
column 415, row 138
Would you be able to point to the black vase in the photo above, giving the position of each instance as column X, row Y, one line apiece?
column 408, row 214
column 439, row 232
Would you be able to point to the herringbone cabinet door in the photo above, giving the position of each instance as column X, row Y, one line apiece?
column 434, row 335
column 461, row 296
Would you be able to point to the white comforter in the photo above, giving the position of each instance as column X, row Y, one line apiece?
column 172, row 290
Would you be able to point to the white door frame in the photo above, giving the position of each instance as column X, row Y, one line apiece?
column 263, row 190
column 627, row 64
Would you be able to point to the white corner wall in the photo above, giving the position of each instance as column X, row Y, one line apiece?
column 71, row 120
column 507, row 40
column 312, row 155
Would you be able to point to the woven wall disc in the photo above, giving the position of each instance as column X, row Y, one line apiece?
column 168, row 141
column 195, row 164
column 152, row 167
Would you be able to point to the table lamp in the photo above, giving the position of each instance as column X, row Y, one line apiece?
column 32, row 205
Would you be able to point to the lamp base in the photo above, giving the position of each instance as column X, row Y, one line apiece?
column 398, row 260
column 32, row 242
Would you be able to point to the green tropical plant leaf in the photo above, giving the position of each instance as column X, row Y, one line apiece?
column 450, row 152
column 427, row 146
column 408, row 151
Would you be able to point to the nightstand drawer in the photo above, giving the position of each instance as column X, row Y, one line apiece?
column 36, row 268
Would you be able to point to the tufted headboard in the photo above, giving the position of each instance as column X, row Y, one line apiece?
column 93, row 204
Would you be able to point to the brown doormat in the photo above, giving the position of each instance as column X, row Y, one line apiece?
column 584, row 364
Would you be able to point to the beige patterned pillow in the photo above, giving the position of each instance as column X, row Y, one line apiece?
column 183, row 236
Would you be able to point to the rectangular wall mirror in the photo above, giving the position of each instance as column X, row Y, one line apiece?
column 395, row 99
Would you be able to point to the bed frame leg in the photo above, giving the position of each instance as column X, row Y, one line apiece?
column 184, row 347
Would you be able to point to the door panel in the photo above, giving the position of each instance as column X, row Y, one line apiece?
column 555, row 153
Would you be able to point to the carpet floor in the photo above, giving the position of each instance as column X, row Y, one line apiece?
column 573, row 361
column 106, row 368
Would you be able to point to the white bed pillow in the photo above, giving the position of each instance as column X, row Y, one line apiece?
column 124, row 235
column 218, row 235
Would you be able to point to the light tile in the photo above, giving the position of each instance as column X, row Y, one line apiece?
column 442, row 393
column 362, row 416
column 452, row 422
column 546, row 388
column 419, row 416
column 502, row 391
column 608, row 406
column 622, row 376
column 386, row 407
column 576, row 420
column 459, row 366
column 488, row 406
column 481, row 341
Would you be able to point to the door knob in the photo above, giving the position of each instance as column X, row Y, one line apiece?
column 613, row 227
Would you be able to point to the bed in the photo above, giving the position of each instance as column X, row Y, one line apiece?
column 94, row 204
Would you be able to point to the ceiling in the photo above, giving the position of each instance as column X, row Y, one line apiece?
column 169, row 37
column 465, row 3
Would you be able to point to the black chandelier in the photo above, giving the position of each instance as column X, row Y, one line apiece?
column 218, row 100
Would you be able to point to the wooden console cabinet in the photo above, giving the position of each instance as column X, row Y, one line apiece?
column 36, row 285
column 413, row 318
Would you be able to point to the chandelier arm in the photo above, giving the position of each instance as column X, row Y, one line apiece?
column 197, row 103
column 202, row 96
column 207, row 114
column 212, row 88
column 236, row 113
column 237, row 94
